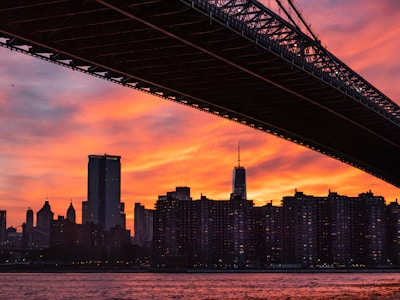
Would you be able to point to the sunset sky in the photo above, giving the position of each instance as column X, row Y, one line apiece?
column 52, row 118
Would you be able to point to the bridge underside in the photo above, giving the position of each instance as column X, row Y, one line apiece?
column 179, row 52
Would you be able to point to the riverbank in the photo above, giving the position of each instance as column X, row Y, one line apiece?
column 62, row 268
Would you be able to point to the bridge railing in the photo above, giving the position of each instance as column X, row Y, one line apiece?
column 253, row 20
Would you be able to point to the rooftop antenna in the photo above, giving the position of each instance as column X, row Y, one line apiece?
column 238, row 154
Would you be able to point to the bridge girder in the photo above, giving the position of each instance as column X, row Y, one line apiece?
column 235, row 59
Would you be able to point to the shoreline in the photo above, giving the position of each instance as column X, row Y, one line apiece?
column 59, row 269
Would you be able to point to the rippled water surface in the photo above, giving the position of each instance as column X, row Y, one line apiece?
column 199, row 286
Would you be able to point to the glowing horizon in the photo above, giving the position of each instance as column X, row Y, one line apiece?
column 52, row 118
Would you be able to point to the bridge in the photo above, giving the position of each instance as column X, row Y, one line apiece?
column 236, row 59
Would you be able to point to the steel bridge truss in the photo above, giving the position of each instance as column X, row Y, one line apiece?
column 265, row 29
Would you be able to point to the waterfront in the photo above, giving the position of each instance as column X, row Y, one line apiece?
column 200, row 286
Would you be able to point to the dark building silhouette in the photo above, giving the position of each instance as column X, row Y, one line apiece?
column 41, row 233
column 220, row 233
column 393, row 232
column 29, row 218
column 63, row 233
column 357, row 232
column 172, row 238
column 90, row 236
column 374, row 210
column 334, row 230
column 307, row 231
column 85, row 212
column 324, row 231
column 44, row 216
column 123, row 216
column 13, row 240
column 203, row 233
column 221, row 236
column 268, row 230
column 342, row 222
column 3, row 226
column 299, row 229
column 180, row 193
column 243, row 239
column 104, row 191
column 239, row 180
column 27, row 230
column 71, row 215
column 117, row 237
column 143, row 225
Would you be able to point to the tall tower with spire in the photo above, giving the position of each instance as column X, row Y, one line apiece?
column 71, row 213
column 239, row 180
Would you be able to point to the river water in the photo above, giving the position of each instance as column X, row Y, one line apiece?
column 199, row 286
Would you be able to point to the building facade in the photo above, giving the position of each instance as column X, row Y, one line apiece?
column 44, row 216
column 203, row 233
column 71, row 215
column 300, row 229
column 3, row 226
column 393, row 232
column 268, row 235
column 239, row 182
column 374, row 236
column 341, row 223
column 172, row 239
column 63, row 233
column 104, row 191
column 143, row 225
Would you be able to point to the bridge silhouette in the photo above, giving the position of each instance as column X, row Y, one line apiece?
column 236, row 59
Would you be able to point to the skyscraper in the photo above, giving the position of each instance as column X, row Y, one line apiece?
column 299, row 239
column 29, row 218
column 104, row 190
column 172, row 240
column 203, row 233
column 85, row 212
column 143, row 222
column 71, row 213
column 374, row 213
column 267, row 233
column 27, row 230
column 342, row 221
column 2, row 226
column 239, row 180
column 393, row 232
column 44, row 216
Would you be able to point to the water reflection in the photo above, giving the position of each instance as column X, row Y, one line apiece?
column 199, row 286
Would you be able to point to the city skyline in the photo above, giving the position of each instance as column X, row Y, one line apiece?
column 304, row 231
column 181, row 193
column 52, row 117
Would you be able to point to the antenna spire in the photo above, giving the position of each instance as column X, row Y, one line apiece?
column 238, row 154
